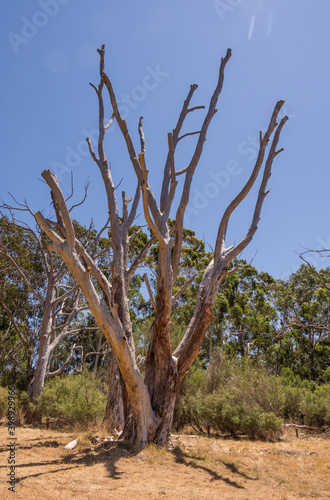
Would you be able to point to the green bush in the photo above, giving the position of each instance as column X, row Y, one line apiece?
column 305, row 402
column 3, row 401
column 73, row 398
column 291, row 405
column 230, row 398
column 22, row 401
column 315, row 407
column 243, row 398
column 229, row 413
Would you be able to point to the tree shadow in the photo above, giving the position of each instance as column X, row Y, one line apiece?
column 108, row 456
column 47, row 444
column 189, row 460
column 109, row 453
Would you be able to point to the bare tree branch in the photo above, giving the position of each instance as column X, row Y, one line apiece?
column 192, row 166
column 96, row 353
column 87, row 184
column 129, row 144
column 109, row 122
column 135, row 235
column 66, row 362
column 167, row 169
column 188, row 134
column 145, row 188
column 183, row 288
column 52, row 181
column 141, row 134
column 152, row 300
column 181, row 172
column 139, row 259
column 98, row 236
column 171, row 155
column 93, row 155
column 220, row 242
column 65, row 295
column 194, row 108
column 95, row 271
column 131, row 216
column 261, row 196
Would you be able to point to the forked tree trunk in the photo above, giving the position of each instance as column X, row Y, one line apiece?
column 153, row 399
column 159, row 430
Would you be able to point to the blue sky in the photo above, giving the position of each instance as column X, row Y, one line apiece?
column 154, row 51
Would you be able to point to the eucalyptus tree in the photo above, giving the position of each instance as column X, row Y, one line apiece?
column 252, row 316
column 52, row 302
column 302, row 341
column 18, row 310
column 152, row 399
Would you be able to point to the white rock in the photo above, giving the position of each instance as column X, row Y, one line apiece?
column 72, row 445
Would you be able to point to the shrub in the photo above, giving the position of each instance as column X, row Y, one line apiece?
column 242, row 397
column 305, row 402
column 315, row 407
column 231, row 398
column 73, row 398
column 292, row 403
column 3, row 401
column 230, row 413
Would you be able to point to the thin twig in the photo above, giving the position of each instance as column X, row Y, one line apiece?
column 145, row 277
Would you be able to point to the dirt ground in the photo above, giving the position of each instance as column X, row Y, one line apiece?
column 198, row 467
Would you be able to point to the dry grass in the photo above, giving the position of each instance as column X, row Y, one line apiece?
column 198, row 468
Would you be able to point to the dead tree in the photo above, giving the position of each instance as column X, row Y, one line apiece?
column 152, row 399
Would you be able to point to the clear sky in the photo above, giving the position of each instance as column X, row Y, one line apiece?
column 154, row 51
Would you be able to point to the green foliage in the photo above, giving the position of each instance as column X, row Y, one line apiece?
column 315, row 407
column 244, row 313
column 303, row 305
column 3, row 401
column 281, row 325
column 18, row 244
column 74, row 398
column 23, row 405
column 231, row 398
column 229, row 412
column 243, row 398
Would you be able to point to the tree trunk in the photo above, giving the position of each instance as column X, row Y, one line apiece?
column 118, row 406
column 159, row 431
column 162, row 432
column 114, row 413
column 44, row 351
column 97, row 357
column 240, row 334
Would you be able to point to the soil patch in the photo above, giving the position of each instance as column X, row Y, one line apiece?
column 198, row 467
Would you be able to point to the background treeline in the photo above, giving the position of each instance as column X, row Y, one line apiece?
column 265, row 358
